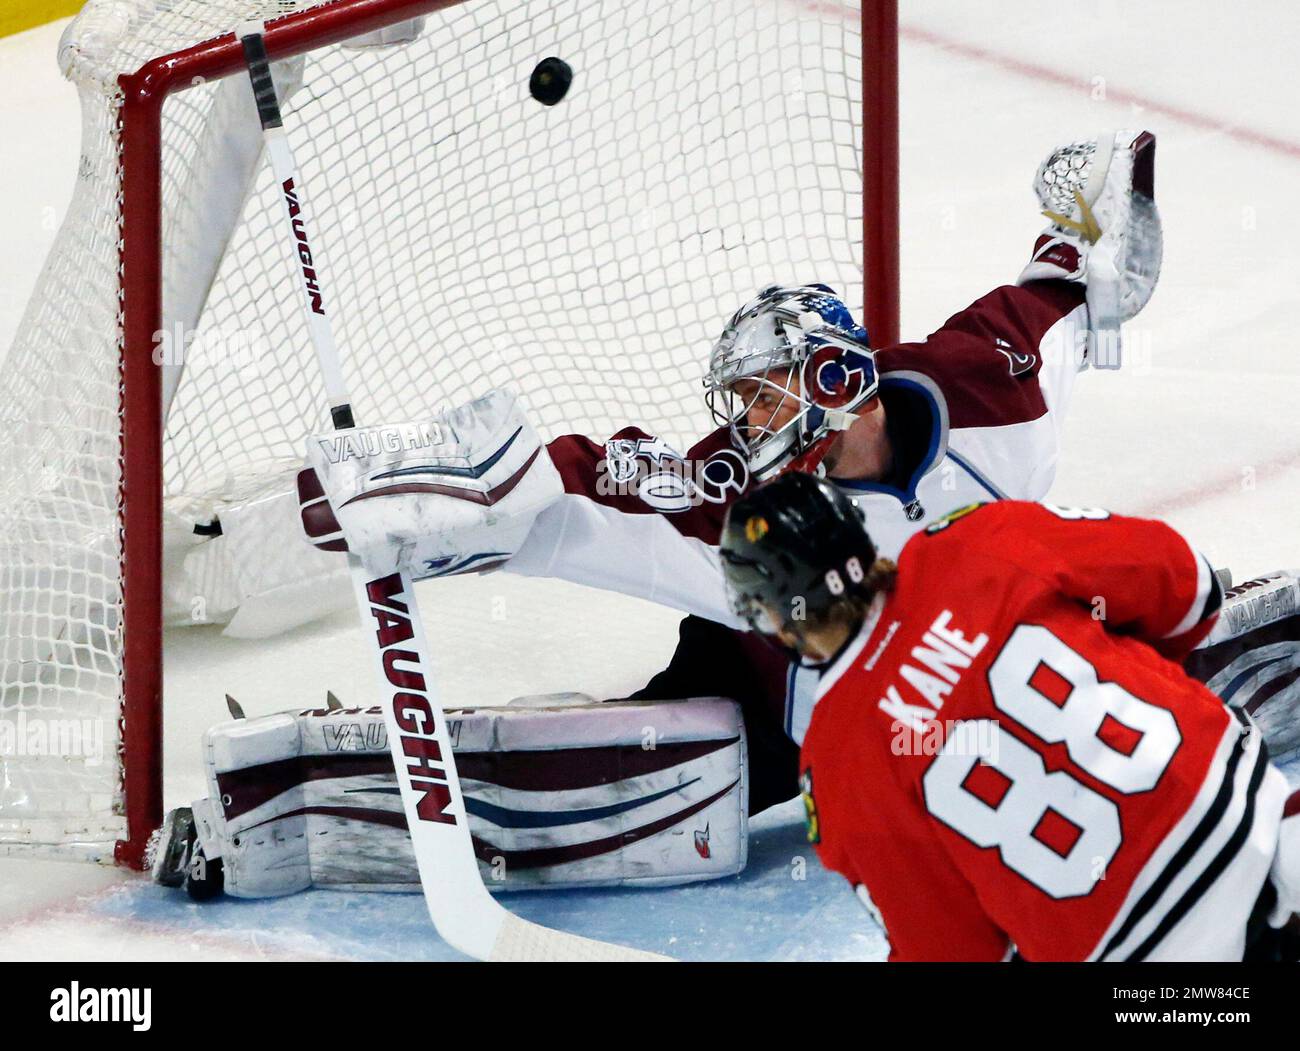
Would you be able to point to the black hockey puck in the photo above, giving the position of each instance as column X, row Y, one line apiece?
column 550, row 81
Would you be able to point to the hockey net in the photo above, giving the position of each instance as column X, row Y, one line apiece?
column 584, row 254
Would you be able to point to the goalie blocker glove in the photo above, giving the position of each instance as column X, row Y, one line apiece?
column 457, row 492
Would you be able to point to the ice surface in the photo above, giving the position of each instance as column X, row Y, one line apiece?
column 1199, row 428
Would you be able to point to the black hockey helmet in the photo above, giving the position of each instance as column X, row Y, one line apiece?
column 792, row 549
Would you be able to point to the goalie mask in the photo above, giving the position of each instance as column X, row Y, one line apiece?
column 790, row 346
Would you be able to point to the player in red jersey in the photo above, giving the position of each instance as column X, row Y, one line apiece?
column 1004, row 757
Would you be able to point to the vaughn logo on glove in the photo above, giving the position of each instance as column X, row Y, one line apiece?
column 457, row 492
column 375, row 441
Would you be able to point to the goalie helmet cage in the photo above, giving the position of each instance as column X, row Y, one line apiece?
column 585, row 253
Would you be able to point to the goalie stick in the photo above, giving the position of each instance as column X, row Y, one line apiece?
column 464, row 913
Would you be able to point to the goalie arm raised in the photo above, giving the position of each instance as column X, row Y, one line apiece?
column 638, row 518
column 474, row 488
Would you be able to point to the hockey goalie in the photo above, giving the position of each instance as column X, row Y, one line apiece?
column 1003, row 758
column 656, row 788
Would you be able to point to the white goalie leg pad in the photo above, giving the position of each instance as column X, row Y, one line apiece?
column 559, row 795
column 1285, row 873
column 258, row 824
column 1251, row 657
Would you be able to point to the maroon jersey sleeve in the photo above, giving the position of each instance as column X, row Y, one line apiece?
column 639, row 518
column 998, row 361
column 636, row 473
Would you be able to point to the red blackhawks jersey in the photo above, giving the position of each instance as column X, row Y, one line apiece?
column 1007, row 756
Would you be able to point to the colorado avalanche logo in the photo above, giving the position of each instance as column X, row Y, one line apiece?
column 620, row 457
column 667, row 481
column 835, row 377
column 722, row 478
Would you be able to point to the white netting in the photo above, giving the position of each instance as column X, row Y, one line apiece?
column 60, row 646
column 586, row 254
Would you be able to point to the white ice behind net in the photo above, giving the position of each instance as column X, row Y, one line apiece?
column 585, row 254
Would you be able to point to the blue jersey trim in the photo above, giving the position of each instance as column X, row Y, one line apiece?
column 932, row 452
column 984, row 483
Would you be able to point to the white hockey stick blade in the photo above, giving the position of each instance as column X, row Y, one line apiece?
column 520, row 941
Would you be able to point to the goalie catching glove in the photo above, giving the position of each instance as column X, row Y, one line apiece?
column 455, row 493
